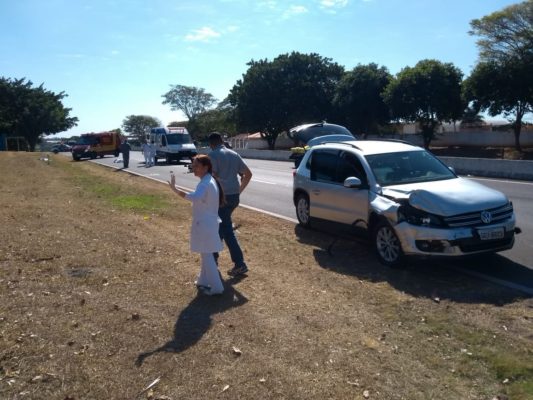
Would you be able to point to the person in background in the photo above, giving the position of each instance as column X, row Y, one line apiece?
column 125, row 150
column 204, row 231
column 228, row 166
column 152, row 153
column 146, row 153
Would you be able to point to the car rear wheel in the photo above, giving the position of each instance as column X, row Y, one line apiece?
column 302, row 210
column 388, row 247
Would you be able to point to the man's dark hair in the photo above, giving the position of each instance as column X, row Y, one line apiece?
column 215, row 138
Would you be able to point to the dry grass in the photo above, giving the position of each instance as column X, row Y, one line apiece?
column 98, row 301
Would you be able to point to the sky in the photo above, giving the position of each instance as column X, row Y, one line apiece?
column 115, row 58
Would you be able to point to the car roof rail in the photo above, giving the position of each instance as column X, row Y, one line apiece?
column 395, row 141
column 342, row 142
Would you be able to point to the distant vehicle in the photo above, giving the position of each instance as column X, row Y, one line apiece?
column 172, row 144
column 403, row 198
column 57, row 148
column 92, row 145
column 308, row 135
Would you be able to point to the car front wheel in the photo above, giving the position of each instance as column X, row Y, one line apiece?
column 302, row 210
column 388, row 247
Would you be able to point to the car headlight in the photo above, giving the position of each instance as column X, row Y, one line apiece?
column 415, row 216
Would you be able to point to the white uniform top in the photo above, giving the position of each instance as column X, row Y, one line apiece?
column 146, row 149
column 205, row 220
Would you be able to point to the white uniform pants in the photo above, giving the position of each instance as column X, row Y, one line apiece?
column 209, row 275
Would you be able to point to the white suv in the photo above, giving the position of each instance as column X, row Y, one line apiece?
column 404, row 198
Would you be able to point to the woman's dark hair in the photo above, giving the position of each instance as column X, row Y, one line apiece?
column 206, row 162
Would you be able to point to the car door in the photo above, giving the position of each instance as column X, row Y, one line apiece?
column 329, row 199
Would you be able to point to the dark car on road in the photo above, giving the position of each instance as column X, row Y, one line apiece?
column 57, row 148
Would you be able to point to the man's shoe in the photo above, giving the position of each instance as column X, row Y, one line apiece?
column 236, row 271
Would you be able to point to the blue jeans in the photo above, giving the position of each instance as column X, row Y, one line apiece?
column 226, row 233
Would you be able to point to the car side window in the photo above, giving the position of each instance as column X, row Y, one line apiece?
column 324, row 165
column 349, row 165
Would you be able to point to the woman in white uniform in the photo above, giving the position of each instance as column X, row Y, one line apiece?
column 204, row 231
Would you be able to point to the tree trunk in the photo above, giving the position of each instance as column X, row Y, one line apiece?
column 271, row 143
column 32, row 142
column 516, row 131
column 517, row 127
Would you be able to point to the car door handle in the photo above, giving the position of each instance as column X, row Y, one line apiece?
column 316, row 191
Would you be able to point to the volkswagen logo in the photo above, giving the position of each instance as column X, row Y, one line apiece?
column 486, row 217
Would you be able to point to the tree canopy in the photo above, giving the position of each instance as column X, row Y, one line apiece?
column 191, row 100
column 428, row 93
column 274, row 96
column 139, row 125
column 358, row 99
column 502, row 87
column 219, row 119
column 505, row 34
column 502, row 82
column 30, row 112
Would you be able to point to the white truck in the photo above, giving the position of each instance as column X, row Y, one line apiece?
column 172, row 144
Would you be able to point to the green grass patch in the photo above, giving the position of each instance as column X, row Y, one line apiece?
column 139, row 202
column 118, row 195
column 509, row 362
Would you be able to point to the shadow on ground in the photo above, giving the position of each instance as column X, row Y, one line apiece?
column 195, row 319
column 431, row 278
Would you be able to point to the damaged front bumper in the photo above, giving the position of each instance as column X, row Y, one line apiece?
column 430, row 241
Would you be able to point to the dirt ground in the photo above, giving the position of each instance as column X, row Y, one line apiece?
column 98, row 302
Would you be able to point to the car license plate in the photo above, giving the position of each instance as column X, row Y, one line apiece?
column 491, row 234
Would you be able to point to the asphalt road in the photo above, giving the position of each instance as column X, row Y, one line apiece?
column 270, row 191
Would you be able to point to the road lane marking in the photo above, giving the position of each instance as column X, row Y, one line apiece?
column 267, row 182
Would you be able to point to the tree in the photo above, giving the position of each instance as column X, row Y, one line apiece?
column 274, row 96
column 191, row 100
column 32, row 111
column 139, row 125
column 428, row 93
column 358, row 99
column 502, row 87
column 471, row 116
column 220, row 119
column 502, row 82
column 505, row 34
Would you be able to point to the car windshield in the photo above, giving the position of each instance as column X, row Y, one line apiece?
column 178, row 138
column 407, row 167
column 87, row 140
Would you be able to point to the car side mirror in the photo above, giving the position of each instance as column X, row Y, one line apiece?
column 352, row 182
